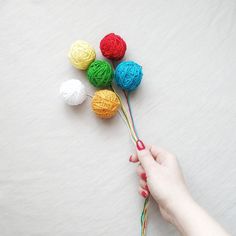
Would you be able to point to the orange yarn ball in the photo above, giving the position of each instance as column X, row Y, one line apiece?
column 105, row 103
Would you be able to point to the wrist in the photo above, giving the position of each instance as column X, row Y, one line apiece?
column 191, row 219
column 180, row 207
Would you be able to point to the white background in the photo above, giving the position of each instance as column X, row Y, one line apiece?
column 65, row 172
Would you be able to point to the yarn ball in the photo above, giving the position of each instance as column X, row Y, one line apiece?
column 105, row 103
column 100, row 74
column 113, row 47
column 73, row 92
column 81, row 54
column 128, row 75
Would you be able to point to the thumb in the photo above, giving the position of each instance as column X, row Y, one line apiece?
column 145, row 157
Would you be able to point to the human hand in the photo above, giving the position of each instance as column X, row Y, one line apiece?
column 159, row 174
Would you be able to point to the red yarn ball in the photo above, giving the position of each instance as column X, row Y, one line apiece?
column 113, row 47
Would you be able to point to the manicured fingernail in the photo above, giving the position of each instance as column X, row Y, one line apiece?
column 144, row 194
column 130, row 158
column 140, row 145
column 143, row 176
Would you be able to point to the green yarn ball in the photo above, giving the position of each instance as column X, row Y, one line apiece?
column 100, row 74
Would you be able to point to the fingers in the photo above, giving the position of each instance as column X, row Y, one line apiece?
column 162, row 156
column 141, row 173
column 144, row 193
column 143, row 184
column 158, row 154
column 145, row 157
column 143, row 188
column 134, row 158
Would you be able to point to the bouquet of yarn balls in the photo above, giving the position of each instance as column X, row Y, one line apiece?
column 106, row 101
column 100, row 73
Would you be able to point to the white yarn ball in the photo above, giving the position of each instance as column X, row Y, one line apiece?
column 73, row 92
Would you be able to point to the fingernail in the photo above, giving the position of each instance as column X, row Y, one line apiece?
column 144, row 194
column 143, row 176
column 140, row 145
column 130, row 158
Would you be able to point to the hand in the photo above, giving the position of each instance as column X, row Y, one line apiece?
column 160, row 175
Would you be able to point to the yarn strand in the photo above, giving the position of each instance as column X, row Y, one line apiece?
column 125, row 122
column 144, row 216
column 123, row 109
column 127, row 96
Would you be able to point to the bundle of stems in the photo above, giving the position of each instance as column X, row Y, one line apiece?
column 127, row 117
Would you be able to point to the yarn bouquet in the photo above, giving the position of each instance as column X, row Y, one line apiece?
column 106, row 101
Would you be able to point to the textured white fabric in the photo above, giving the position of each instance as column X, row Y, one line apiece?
column 65, row 172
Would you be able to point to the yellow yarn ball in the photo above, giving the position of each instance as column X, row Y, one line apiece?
column 81, row 54
column 105, row 103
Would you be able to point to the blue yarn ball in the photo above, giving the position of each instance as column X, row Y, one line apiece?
column 128, row 75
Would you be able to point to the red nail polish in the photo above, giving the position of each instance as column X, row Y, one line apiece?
column 140, row 145
column 143, row 176
column 144, row 194
column 130, row 158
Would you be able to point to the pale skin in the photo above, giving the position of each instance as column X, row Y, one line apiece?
column 160, row 175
